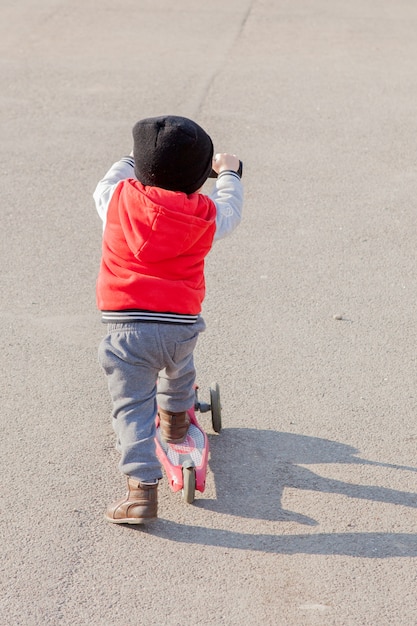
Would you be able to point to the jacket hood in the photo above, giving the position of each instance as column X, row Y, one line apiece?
column 159, row 224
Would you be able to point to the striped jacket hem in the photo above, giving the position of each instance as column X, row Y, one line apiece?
column 137, row 315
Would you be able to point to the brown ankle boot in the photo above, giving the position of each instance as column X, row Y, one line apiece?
column 174, row 426
column 138, row 507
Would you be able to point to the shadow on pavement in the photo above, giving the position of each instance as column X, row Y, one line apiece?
column 251, row 470
column 363, row 545
column 253, row 467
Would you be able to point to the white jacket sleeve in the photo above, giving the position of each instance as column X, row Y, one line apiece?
column 228, row 198
column 102, row 195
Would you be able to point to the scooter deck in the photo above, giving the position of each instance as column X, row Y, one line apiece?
column 192, row 452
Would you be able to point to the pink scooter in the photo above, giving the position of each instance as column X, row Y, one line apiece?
column 185, row 463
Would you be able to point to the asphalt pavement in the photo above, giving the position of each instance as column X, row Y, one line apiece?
column 309, row 515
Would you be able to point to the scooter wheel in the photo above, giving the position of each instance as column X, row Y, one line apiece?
column 188, row 481
column 216, row 409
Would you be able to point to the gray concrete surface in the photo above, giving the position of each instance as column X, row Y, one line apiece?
column 309, row 517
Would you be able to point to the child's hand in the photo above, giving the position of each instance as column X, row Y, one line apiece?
column 224, row 161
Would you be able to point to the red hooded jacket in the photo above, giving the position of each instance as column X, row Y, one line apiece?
column 154, row 245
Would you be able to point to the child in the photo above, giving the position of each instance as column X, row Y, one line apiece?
column 158, row 230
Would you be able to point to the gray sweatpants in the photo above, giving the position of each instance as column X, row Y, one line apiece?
column 147, row 365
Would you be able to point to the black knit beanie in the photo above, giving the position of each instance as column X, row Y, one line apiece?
column 172, row 152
